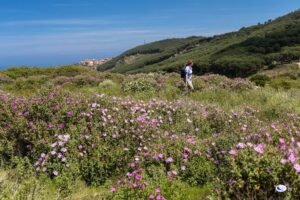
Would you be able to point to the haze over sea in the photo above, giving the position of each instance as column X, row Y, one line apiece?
column 47, row 33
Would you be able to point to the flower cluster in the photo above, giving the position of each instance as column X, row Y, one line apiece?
column 139, row 142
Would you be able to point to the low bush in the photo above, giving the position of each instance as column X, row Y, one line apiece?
column 30, row 83
column 85, row 80
column 5, row 79
column 281, row 84
column 230, row 140
column 260, row 80
column 61, row 80
column 250, row 176
column 107, row 85
column 140, row 85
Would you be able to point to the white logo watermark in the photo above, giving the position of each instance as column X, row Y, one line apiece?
column 281, row 188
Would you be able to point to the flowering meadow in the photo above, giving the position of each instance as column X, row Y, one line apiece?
column 56, row 142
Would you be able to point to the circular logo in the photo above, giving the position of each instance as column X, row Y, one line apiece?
column 281, row 188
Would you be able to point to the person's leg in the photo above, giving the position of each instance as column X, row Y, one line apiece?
column 186, row 87
column 190, row 84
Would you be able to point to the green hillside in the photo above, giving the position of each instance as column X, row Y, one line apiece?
column 150, row 54
column 234, row 54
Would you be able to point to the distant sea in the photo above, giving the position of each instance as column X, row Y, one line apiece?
column 36, row 66
column 7, row 67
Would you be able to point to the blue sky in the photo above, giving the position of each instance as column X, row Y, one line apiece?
column 56, row 32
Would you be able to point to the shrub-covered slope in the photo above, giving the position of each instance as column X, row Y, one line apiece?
column 153, row 149
column 150, row 54
column 73, row 133
column 240, row 53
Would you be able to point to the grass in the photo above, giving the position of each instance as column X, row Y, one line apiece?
column 261, row 98
column 12, row 187
column 287, row 70
column 42, row 188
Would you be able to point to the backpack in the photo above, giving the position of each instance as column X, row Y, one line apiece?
column 183, row 72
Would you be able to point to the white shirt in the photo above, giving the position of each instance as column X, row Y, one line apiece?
column 189, row 72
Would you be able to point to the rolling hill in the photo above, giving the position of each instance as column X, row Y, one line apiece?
column 235, row 54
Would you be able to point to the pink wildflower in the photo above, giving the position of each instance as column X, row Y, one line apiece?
column 169, row 160
column 297, row 167
column 281, row 140
column 60, row 126
column 69, row 114
column 113, row 188
column 292, row 158
column 143, row 185
column 157, row 190
column 233, row 152
column 283, row 161
column 135, row 185
column 260, row 148
column 31, row 124
column 50, row 126
column 128, row 174
column 185, row 156
column 161, row 156
column 133, row 164
column 197, row 153
column 249, row 144
column 141, row 118
column 240, row 145
column 160, row 197
column 59, row 155
column 60, row 143
column 26, row 114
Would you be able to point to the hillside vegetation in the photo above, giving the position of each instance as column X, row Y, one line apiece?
column 73, row 133
column 235, row 54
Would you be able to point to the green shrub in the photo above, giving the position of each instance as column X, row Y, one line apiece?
column 170, row 92
column 252, row 176
column 107, row 85
column 60, row 80
column 85, row 80
column 260, row 80
column 139, row 85
column 30, row 83
column 281, row 83
column 199, row 172
column 5, row 79
column 69, row 71
column 160, row 187
column 25, row 72
column 198, row 84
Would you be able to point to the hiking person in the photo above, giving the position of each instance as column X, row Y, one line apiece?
column 188, row 74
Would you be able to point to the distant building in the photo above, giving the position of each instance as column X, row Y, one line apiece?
column 93, row 63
